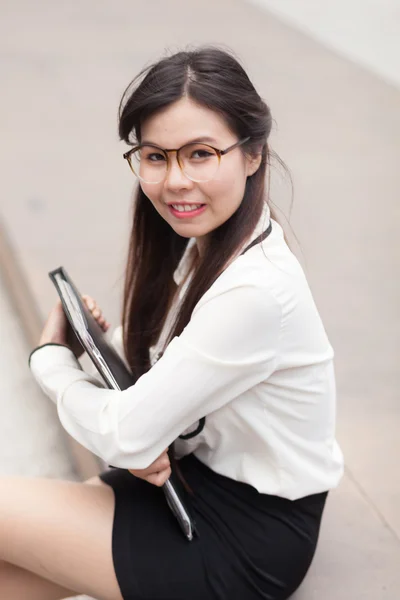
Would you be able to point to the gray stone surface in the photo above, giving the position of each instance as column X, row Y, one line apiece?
column 358, row 555
column 32, row 441
column 338, row 128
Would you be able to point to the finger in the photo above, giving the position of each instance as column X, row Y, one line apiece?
column 160, row 464
column 88, row 299
column 92, row 305
column 104, row 325
column 159, row 478
column 156, row 463
column 102, row 322
column 96, row 311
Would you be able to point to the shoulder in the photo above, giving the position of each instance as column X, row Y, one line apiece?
column 269, row 270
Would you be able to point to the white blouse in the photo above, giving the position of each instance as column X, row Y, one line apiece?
column 254, row 359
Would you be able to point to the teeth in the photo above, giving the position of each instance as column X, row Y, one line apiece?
column 186, row 207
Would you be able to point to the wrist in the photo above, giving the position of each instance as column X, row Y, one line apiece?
column 52, row 339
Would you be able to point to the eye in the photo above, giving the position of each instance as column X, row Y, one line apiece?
column 155, row 157
column 201, row 153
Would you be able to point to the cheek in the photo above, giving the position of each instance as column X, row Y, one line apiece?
column 153, row 193
column 227, row 191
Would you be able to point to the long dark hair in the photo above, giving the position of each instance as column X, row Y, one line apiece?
column 212, row 78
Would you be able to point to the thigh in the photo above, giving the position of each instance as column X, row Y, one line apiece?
column 61, row 531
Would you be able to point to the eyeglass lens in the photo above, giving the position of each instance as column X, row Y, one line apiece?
column 199, row 163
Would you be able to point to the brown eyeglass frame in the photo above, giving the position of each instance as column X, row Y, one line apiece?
column 219, row 152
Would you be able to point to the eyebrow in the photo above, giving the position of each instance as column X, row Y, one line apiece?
column 205, row 139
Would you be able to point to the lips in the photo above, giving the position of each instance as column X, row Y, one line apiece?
column 183, row 203
column 185, row 206
column 185, row 210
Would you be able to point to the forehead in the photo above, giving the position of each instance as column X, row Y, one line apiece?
column 183, row 121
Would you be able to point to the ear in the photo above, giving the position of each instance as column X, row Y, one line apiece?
column 252, row 163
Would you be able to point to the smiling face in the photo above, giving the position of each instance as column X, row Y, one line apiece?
column 177, row 125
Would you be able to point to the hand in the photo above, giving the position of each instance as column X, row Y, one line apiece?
column 57, row 329
column 157, row 473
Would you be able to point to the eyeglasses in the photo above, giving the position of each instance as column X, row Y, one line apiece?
column 198, row 162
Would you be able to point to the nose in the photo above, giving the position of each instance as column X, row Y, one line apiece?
column 175, row 178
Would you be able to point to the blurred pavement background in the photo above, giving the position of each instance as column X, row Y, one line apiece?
column 66, row 195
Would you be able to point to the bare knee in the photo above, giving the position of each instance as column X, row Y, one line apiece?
column 60, row 531
column 17, row 583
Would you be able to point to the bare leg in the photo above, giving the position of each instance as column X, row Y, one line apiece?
column 20, row 584
column 47, row 546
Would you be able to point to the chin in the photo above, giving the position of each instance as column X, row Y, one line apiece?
column 189, row 230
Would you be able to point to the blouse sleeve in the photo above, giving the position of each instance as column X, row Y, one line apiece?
column 230, row 344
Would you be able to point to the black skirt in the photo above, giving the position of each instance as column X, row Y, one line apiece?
column 250, row 545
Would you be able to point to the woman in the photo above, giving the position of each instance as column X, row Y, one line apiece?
column 233, row 364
